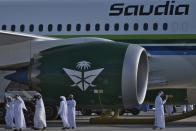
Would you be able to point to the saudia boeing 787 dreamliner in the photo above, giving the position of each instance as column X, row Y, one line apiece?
column 108, row 53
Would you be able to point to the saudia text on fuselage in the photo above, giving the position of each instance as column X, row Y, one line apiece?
column 169, row 8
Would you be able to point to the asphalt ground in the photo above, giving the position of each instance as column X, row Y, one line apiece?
column 83, row 124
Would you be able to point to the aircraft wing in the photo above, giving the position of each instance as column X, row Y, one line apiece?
column 7, row 37
column 15, row 48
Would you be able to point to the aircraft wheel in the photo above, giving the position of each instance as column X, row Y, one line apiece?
column 51, row 112
column 86, row 112
column 135, row 111
column 99, row 112
column 29, row 114
column 2, row 114
column 121, row 112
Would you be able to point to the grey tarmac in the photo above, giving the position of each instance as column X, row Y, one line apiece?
column 188, row 124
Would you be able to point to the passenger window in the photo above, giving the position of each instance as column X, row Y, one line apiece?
column 165, row 26
column 185, row 26
column 107, row 27
column 13, row 28
column 50, row 27
column 78, row 27
column 136, row 27
column 175, row 27
column 155, row 26
column 22, row 28
column 97, row 27
column 126, row 26
column 88, row 26
column 41, row 27
column 59, row 27
column 4, row 27
column 145, row 26
column 116, row 27
column 68, row 27
column 31, row 28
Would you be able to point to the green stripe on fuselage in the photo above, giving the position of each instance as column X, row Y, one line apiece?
column 142, row 39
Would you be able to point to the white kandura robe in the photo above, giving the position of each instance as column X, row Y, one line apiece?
column 63, row 112
column 169, row 109
column 40, row 115
column 189, row 108
column 9, row 116
column 71, row 104
column 184, row 110
column 18, row 113
column 159, row 113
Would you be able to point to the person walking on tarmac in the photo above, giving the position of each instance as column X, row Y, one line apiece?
column 19, row 118
column 71, row 104
column 9, row 116
column 63, row 112
column 40, row 115
column 189, row 108
column 169, row 107
column 159, row 122
column 184, row 110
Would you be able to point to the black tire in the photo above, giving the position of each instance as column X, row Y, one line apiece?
column 2, row 114
column 121, row 112
column 99, row 112
column 51, row 112
column 29, row 114
column 135, row 111
column 86, row 112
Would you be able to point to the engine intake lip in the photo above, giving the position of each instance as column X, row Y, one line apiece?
column 134, row 76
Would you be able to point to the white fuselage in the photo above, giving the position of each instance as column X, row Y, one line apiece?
column 177, row 17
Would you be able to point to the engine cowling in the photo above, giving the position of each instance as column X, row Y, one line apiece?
column 134, row 76
column 102, row 73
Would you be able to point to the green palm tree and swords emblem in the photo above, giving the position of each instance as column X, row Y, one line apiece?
column 84, row 77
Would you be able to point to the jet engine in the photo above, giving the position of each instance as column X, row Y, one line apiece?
column 98, row 74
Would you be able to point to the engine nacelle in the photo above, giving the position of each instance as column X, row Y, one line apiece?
column 134, row 76
column 109, row 74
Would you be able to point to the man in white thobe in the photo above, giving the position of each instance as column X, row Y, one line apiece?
column 159, row 112
column 19, row 118
column 169, row 109
column 71, row 104
column 184, row 110
column 189, row 108
column 9, row 116
column 40, row 115
column 63, row 112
